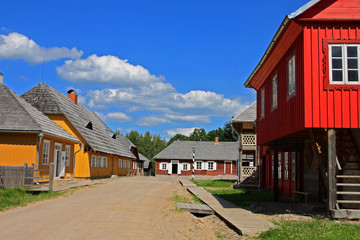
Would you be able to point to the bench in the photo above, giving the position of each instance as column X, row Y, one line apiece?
column 302, row 196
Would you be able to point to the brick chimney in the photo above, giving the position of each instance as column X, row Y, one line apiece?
column 1, row 78
column 216, row 140
column 72, row 94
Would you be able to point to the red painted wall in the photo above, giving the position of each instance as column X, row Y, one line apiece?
column 288, row 117
column 219, row 169
column 327, row 106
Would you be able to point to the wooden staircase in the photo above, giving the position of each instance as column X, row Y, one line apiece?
column 347, row 176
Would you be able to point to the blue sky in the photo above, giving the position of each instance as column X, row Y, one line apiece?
column 160, row 66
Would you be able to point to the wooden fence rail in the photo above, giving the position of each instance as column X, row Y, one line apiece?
column 23, row 176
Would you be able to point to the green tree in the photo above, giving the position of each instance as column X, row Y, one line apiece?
column 177, row 137
column 199, row 134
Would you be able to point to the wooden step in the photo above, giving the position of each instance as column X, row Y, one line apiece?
column 347, row 176
column 348, row 201
column 347, row 193
column 348, row 184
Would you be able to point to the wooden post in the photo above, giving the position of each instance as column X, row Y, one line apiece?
column 332, row 167
column 276, row 177
column 51, row 177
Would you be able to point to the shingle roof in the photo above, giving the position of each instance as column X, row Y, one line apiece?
column 248, row 115
column 18, row 115
column 145, row 159
column 50, row 101
column 204, row 151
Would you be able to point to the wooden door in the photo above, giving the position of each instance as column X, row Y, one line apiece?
column 228, row 167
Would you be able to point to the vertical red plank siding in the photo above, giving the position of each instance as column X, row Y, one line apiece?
column 288, row 117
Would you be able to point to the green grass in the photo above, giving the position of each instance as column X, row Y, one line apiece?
column 184, row 199
column 10, row 198
column 242, row 197
column 313, row 229
column 214, row 183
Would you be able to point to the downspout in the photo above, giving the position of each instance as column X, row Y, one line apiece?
column 74, row 161
column 40, row 135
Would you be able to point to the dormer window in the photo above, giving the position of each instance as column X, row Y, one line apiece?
column 89, row 126
column 344, row 64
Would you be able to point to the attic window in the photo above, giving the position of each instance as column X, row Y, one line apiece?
column 114, row 136
column 89, row 126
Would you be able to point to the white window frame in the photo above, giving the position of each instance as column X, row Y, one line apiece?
column 213, row 166
column 345, row 67
column 119, row 163
column 293, row 168
column 163, row 166
column 98, row 161
column 67, row 155
column 46, row 152
column 279, row 166
column 128, row 164
column 201, row 165
column 186, row 167
column 274, row 100
column 291, row 76
column 93, row 161
column 286, row 166
column 262, row 103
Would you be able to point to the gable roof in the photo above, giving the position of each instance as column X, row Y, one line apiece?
column 278, row 34
column 98, row 136
column 18, row 115
column 182, row 150
column 145, row 160
column 248, row 115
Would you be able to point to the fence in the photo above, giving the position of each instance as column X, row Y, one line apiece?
column 248, row 171
column 23, row 176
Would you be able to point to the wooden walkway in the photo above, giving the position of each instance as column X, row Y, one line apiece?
column 187, row 183
column 195, row 208
column 63, row 187
column 243, row 220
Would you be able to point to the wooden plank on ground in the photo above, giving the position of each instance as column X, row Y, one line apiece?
column 195, row 208
column 187, row 183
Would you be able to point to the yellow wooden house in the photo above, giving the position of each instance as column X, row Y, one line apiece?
column 28, row 136
column 102, row 154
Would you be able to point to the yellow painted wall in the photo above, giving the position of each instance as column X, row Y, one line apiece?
column 16, row 149
column 82, row 161
column 83, row 167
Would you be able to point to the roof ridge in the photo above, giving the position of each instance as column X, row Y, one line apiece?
column 18, row 99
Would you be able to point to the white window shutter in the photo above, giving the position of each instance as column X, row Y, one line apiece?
column 169, row 168
column 214, row 165
column 181, row 166
column 206, row 166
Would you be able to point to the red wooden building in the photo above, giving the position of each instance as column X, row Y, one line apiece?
column 308, row 112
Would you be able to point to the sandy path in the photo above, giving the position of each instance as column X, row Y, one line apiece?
column 126, row 208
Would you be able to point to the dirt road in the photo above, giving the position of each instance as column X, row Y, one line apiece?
column 125, row 208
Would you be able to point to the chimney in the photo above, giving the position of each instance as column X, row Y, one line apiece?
column 1, row 78
column 73, row 95
column 216, row 140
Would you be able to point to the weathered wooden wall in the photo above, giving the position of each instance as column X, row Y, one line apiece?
column 16, row 176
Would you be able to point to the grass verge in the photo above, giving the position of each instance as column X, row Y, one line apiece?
column 214, row 183
column 312, row 229
column 11, row 198
column 185, row 199
column 242, row 197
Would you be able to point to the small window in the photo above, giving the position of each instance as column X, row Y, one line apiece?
column 279, row 165
column 185, row 166
column 93, row 161
column 293, row 168
column 286, row 166
column 46, row 150
column 274, row 93
column 119, row 163
column 262, row 105
column 291, row 76
column 106, row 162
column 272, row 166
column 128, row 164
column 198, row 165
column 163, row 166
column 344, row 63
column 98, row 161
column 210, row 165
column 67, row 155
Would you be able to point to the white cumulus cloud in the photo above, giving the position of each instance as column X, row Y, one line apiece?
column 114, row 117
column 106, row 69
column 17, row 46
column 150, row 121
column 183, row 131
